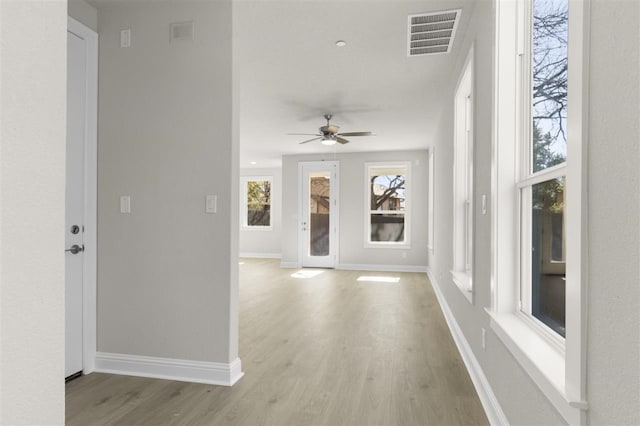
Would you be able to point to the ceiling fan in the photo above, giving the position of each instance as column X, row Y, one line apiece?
column 329, row 134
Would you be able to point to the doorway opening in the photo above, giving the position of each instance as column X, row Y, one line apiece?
column 81, row 200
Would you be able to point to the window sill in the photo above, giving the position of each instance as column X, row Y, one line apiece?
column 542, row 361
column 463, row 282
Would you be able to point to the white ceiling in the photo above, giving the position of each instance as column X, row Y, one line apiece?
column 291, row 73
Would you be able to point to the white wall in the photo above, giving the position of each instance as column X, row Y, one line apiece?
column 83, row 12
column 613, row 358
column 264, row 243
column 167, row 277
column 32, row 171
column 352, row 204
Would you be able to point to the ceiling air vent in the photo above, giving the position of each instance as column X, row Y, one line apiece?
column 431, row 33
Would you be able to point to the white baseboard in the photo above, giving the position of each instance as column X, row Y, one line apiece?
column 381, row 268
column 261, row 255
column 213, row 373
column 488, row 399
column 290, row 265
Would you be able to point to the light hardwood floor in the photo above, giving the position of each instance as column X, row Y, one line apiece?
column 326, row 350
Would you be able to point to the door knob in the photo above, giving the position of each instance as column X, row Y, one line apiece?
column 75, row 249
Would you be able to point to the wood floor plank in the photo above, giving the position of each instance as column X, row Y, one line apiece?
column 324, row 350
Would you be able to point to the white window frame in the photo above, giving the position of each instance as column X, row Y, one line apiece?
column 407, row 204
column 527, row 176
column 244, row 180
column 431, row 202
column 557, row 368
column 463, row 193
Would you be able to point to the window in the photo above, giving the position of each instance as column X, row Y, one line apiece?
column 462, row 272
column 387, row 222
column 256, row 202
column 431, row 207
column 544, row 153
column 538, row 307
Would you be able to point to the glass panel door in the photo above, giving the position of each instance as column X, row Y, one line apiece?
column 319, row 200
column 318, row 214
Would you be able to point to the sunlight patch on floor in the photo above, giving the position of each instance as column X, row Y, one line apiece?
column 377, row 279
column 306, row 273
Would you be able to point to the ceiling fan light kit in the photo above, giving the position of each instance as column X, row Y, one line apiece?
column 330, row 135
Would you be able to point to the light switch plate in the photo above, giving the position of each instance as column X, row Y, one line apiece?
column 125, row 204
column 125, row 38
column 211, row 205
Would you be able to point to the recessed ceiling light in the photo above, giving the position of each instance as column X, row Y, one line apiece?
column 253, row 163
column 341, row 43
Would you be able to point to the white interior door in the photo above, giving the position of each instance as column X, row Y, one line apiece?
column 75, row 192
column 318, row 212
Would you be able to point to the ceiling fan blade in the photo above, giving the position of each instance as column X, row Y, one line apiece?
column 341, row 140
column 304, row 134
column 355, row 134
column 311, row 140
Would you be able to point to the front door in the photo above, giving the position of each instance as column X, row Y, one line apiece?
column 75, row 191
column 318, row 207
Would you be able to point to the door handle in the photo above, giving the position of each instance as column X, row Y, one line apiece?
column 75, row 249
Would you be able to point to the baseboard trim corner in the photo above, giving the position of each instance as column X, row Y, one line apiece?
column 489, row 402
column 213, row 373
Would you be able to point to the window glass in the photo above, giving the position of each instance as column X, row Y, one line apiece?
column 319, row 214
column 547, row 240
column 543, row 218
column 387, row 204
column 549, row 83
column 258, row 203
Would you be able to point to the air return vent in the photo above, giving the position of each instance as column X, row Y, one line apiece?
column 182, row 31
column 431, row 33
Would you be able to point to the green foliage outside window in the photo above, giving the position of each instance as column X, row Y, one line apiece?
column 258, row 203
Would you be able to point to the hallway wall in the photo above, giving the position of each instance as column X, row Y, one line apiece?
column 614, row 234
column 33, row 79
column 166, row 274
column 613, row 357
column 520, row 399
